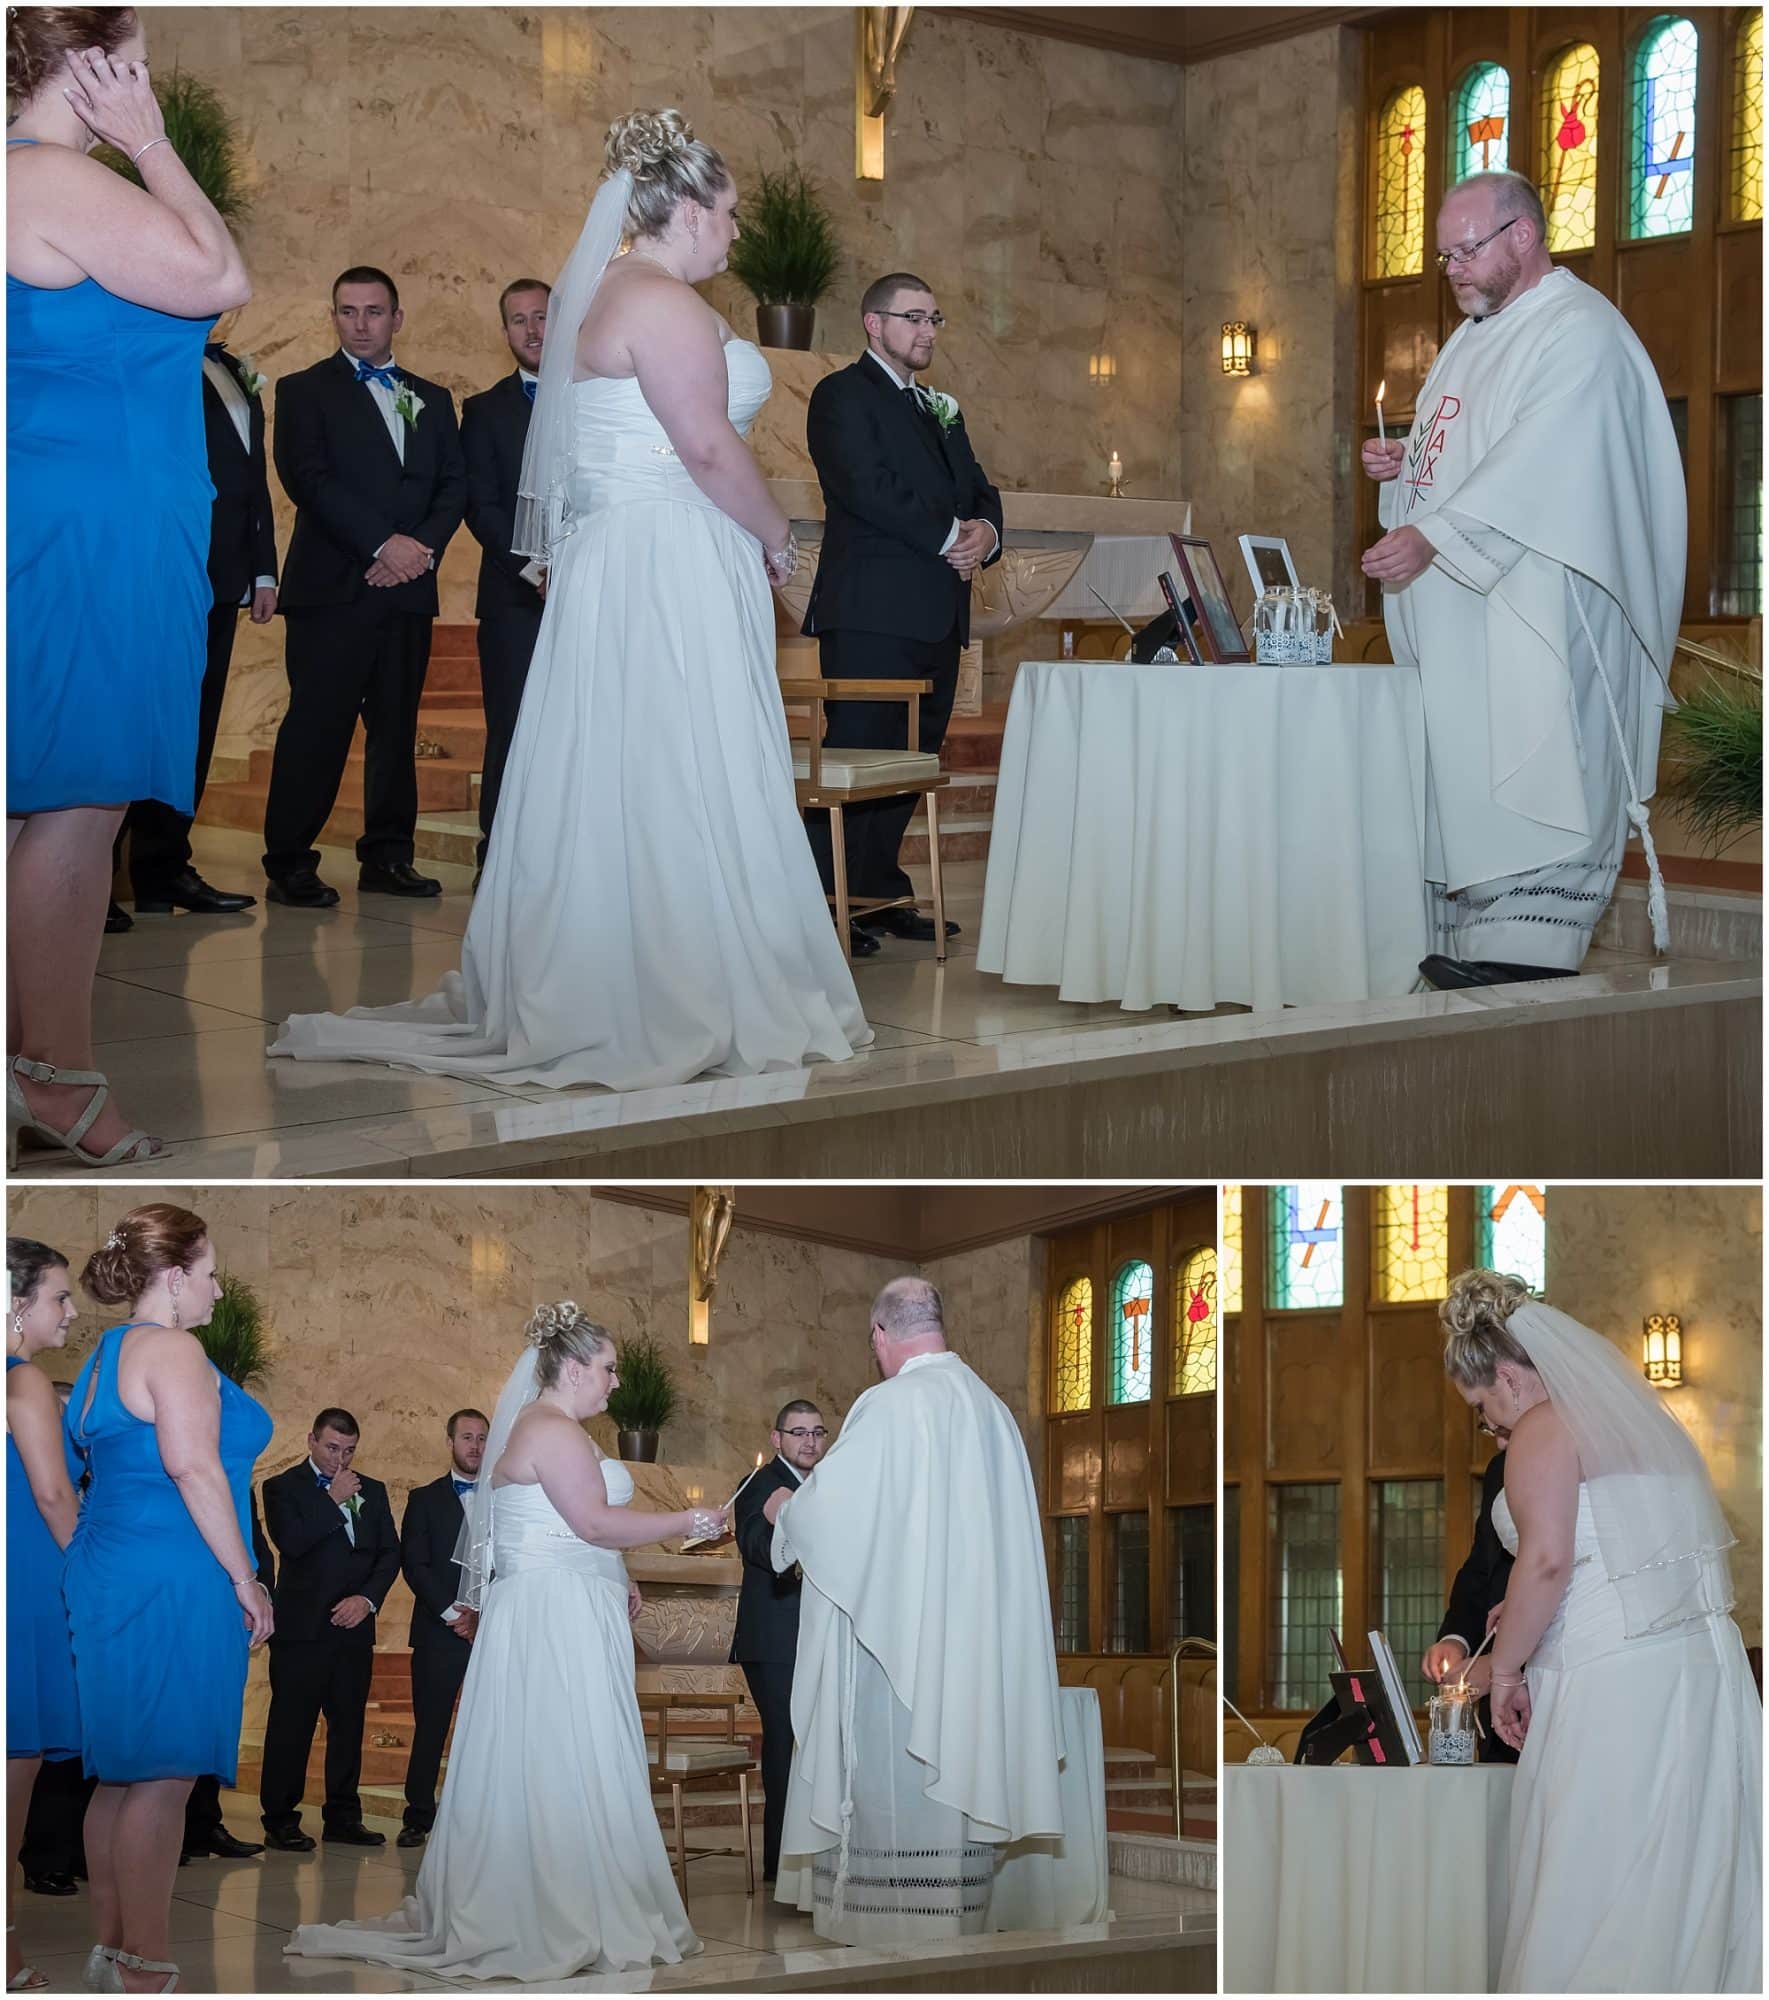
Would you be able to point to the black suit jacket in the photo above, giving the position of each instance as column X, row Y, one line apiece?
column 339, row 465
column 1482, row 1580
column 494, row 429
column 242, row 527
column 427, row 1537
column 319, row 1568
column 893, row 484
column 262, row 1554
column 768, row 1604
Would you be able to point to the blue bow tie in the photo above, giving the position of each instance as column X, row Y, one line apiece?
column 528, row 388
column 325, row 1480
column 465, row 1485
column 388, row 377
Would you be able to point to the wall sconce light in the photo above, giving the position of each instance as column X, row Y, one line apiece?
column 1240, row 342
column 1662, row 1350
column 1102, row 370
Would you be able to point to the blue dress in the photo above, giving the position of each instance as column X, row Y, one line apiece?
column 42, row 1712
column 107, row 549
column 159, row 1639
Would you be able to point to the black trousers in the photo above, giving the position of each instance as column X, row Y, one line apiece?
column 439, row 1665
column 346, row 661
column 310, row 1678
column 875, row 828
column 770, row 1688
column 506, row 645
column 202, row 1813
column 53, row 1841
column 159, row 838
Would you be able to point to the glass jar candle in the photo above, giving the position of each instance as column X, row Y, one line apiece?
column 1452, row 1726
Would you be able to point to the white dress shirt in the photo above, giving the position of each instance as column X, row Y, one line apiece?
column 233, row 400
column 384, row 395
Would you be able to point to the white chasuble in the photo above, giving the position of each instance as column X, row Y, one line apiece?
column 926, row 1735
column 1543, row 468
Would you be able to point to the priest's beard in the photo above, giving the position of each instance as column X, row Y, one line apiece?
column 1481, row 301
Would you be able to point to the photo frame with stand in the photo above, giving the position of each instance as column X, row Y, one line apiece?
column 1219, row 630
column 1269, row 563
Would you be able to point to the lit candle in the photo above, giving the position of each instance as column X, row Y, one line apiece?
column 1381, row 427
column 1114, row 468
column 694, row 1540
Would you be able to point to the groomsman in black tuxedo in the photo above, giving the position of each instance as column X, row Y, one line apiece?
column 334, row 1532
column 442, row 1626
column 242, row 576
column 766, row 1641
column 494, row 428
column 371, row 457
column 1480, row 1585
column 908, row 519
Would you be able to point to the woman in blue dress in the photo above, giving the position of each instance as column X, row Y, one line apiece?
column 110, row 289
column 42, row 1714
column 162, row 1590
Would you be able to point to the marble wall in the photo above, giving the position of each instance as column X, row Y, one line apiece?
column 1034, row 183
column 1618, row 1253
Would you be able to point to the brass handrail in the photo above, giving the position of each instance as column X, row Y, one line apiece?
column 1185, row 1648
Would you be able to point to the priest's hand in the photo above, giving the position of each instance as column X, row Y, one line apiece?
column 1511, row 1708
column 1401, row 555
column 775, row 1501
column 1440, row 1658
column 1383, row 458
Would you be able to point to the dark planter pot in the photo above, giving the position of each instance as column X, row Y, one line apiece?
column 639, row 1447
column 785, row 326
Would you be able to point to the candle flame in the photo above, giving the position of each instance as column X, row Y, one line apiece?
column 1382, row 388
column 758, row 1461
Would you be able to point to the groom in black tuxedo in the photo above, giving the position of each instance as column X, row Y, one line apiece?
column 1480, row 1584
column 371, row 457
column 494, row 429
column 908, row 519
column 766, row 1642
column 442, row 1626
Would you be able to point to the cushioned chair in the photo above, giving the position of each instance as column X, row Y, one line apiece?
column 834, row 779
column 700, row 1763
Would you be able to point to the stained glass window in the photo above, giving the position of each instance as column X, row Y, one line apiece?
column 1511, row 1231
column 1071, row 1584
column 1412, row 1242
column 1479, row 122
column 1307, row 1593
column 1194, row 1351
column 1569, row 149
column 1661, row 166
column 1747, row 120
column 1307, row 1256
column 1128, row 1630
column 1191, row 1573
column 1406, row 1567
column 1400, row 184
column 1740, row 581
column 1073, row 1371
column 1133, row 1334
column 1233, row 1204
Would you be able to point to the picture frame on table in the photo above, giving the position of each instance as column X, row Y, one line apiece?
column 1219, row 630
column 1185, row 618
column 1269, row 563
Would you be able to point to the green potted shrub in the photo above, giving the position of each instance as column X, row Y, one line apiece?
column 202, row 135
column 645, row 1399
column 1715, row 757
column 235, row 1339
column 787, row 255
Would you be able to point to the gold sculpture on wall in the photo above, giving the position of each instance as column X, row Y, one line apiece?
column 879, row 33
column 711, row 1212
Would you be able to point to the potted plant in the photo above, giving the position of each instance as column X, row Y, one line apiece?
column 203, row 137
column 644, row 1400
column 234, row 1338
column 787, row 255
column 1716, row 757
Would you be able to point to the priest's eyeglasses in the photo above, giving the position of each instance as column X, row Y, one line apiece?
column 1465, row 254
column 800, row 1432
column 935, row 320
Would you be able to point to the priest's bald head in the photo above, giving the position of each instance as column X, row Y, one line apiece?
column 907, row 1320
column 1492, row 241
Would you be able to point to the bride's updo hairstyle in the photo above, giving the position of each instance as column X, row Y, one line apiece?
column 1474, row 1320
column 668, row 165
column 561, row 1333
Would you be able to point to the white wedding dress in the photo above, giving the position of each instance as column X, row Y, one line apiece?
column 546, row 1859
column 1636, row 1819
column 650, row 909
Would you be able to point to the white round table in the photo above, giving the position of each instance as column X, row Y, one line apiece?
column 1194, row 835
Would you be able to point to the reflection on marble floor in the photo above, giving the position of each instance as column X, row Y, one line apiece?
column 186, row 1006
column 231, row 1920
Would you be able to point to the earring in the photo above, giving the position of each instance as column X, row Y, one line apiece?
column 177, row 1310
column 18, row 1327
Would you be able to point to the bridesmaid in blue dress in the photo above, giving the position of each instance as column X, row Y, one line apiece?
column 42, row 1714
column 110, row 290
column 162, row 1590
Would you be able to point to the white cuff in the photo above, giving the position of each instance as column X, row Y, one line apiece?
column 264, row 583
column 1460, row 1641
column 950, row 539
column 452, row 1615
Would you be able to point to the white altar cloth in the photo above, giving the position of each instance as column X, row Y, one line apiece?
column 1125, row 570
column 1194, row 835
column 1353, row 1880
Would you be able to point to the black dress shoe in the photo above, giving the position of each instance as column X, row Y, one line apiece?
column 116, row 920
column 290, row 1840
column 862, row 944
column 302, row 891
column 188, row 891
column 355, row 1835
column 411, row 1836
column 905, row 924
column 399, row 878
column 1448, row 974
column 53, row 1884
column 222, row 1844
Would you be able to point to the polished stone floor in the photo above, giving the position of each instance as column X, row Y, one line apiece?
column 231, row 1920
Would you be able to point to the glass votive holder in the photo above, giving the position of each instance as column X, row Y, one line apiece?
column 1452, row 1726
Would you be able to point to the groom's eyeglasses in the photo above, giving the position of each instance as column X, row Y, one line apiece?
column 935, row 320
column 819, row 1433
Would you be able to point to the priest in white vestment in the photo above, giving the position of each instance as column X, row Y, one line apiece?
column 924, row 1701
column 1533, row 573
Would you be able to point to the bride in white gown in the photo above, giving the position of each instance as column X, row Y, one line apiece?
column 546, row 1859
column 1636, row 1817
column 650, row 909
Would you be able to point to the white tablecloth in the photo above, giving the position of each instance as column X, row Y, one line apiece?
column 1351, row 1880
column 1205, row 834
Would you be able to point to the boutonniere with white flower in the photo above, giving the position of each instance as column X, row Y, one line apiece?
column 408, row 403
column 944, row 408
column 253, row 383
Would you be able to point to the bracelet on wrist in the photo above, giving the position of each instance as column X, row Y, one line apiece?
column 162, row 140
